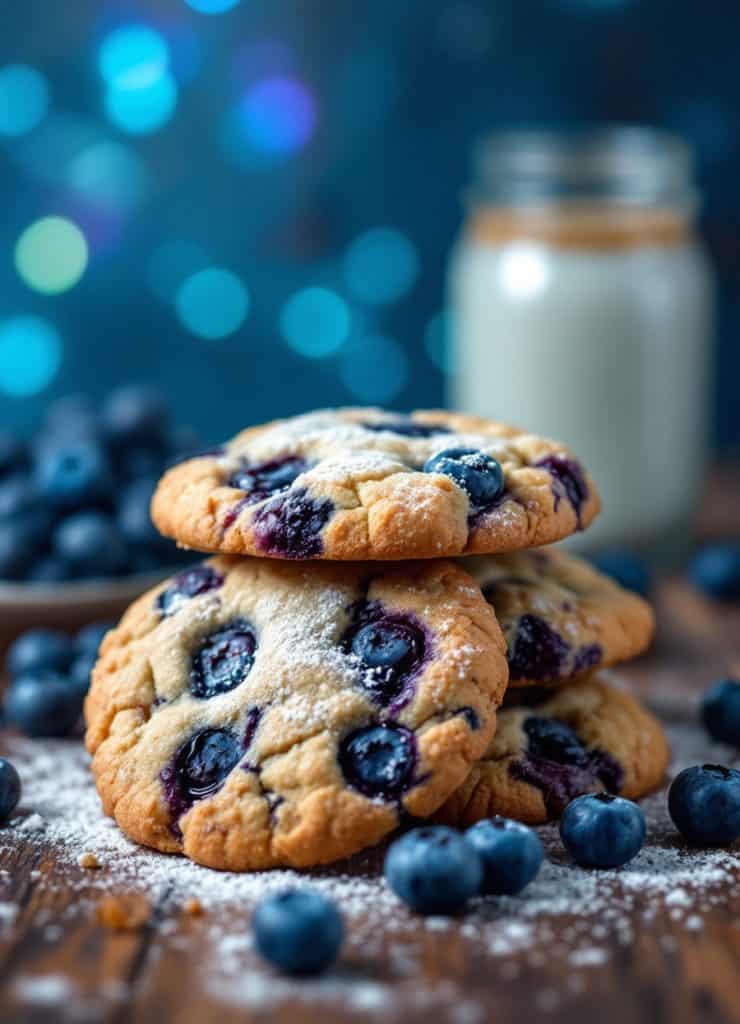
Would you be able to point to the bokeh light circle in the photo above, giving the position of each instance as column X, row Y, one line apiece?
column 212, row 6
column 30, row 355
column 438, row 342
column 24, row 99
column 133, row 57
column 143, row 110
column 171, row 264
column 278, row 115
column 51, row 255
column 380, row 266
column 315, row 322
column 212, row 303
column 373, row 368
column 109, row 175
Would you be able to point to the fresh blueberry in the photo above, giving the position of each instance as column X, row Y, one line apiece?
column 290, row 525
column 73, row 416
column 43, row 704
column 12, row 453
column 434, row 870
column 379, row 760
column 510, row 852
column 715, row 570
column 268, row 477
column 704, row 803
column 223, row 660
column 90, row 544
column 201, row 579
column 536, row 651
column 133, row 463
column 200, row 768
column 600, row 830
column 720, row 711
column 568, row 481
column 133, row 518
column 625, row 568
column 79, row 673
column 38, row 650
column 135, row 415
column 389, row 649
column 18, row 497
column 10, row 789
column 299, row 931
column 90, row 637
column 49, row 570
column 478, row 474
column 74, row 473
column 18, row 549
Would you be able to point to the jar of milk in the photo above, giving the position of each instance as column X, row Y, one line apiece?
column 582, row 310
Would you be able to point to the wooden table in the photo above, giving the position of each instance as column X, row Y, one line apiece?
column 677, row 962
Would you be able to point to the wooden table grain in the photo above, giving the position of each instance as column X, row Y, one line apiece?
column 59, row 963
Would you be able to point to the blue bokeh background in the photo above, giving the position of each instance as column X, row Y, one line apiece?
column 258, row 197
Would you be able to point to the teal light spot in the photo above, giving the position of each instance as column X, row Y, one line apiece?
column 171, row 264
column 315, row 322
column 133, row 57
column 142, row 110
column 212, row 303
column 30, row 355
column 51, row 255
column 109, row 175
column 24, row 99
column 438, row 341
column 212, row 6
column 373, row 368
column 380, row 266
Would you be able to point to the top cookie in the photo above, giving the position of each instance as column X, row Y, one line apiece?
column 364, row 484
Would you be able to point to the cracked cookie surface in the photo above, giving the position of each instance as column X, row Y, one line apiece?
column 251, row 713
column 561, row 617
column 586, row 738
column 364, row 484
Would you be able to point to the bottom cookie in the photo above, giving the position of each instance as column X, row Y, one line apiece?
column 586, row 737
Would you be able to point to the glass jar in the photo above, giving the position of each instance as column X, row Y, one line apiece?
column 582, row 310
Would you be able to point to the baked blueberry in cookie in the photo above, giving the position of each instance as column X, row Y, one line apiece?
column 259, row 713
column 590, row 737
column 561, row 617
column 364, row 485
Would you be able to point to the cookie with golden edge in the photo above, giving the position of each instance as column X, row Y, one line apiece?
column 252, row 713
column 561, row 617
column 364, row 484
column 586, row 738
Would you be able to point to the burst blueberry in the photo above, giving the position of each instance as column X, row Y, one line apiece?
column 553, row 740
column 38, row 650
column 434, row 870
column 536, row 651
column 406, row 427
column 390, row 649
column 299, row 931
column 511, row 854
column 568, row 481
column 720, row 711
column 199, row 768
column 478, row 474
column 704, row 803
column 10, row 789
column 379, row 760
column 600, row 830
column 625, row 568
column 223, row 660
column 290, row 525
column 43, row 704
column 268, row 478
column 201, row 579
column 715, row 570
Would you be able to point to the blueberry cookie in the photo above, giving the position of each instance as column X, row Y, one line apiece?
column 363, row 484
column 251, row 713
column 561, row 617
column 585, row 738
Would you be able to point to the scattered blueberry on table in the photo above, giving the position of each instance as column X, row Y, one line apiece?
column 720, row 711
column 602, row 831
column 511, row 854
column 434, row 870
column 704, row 803
column 715, row 570
column 625, row 568
column 10, row 789
column 299, row 931
column 49, row 679
column 74, row 499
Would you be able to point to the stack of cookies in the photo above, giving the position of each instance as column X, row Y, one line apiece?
column 381, row 637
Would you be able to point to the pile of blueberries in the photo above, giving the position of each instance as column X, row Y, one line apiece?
column 49, row 676
column 74, row 499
